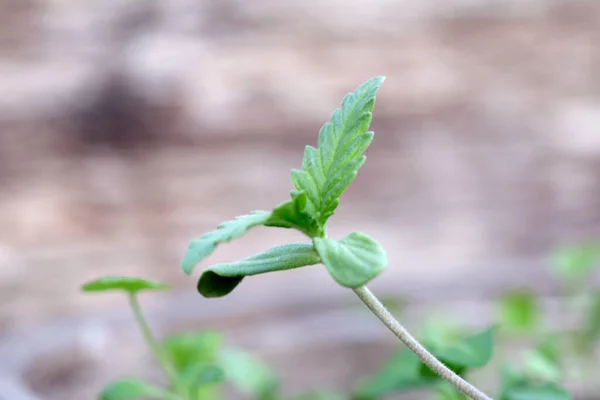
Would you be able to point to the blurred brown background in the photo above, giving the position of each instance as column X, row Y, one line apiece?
column 127, row 128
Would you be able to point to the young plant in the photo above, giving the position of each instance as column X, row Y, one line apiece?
column 195, row 364
column 352, row 261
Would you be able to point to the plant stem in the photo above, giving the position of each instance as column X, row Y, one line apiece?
column 161, row 358
column 428, row 359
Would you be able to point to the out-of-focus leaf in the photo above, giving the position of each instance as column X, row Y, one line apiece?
column 574, row 263
column 519, row 311
column 542, row 392
column 516, row 386
column 193, row 348
column 474, row 351
column 320, row 395
column 587, row 337
column 543, row 363
column 446, row 391
column 133, row 389
column 402, row 372
column 122, row 283
column 248, row 374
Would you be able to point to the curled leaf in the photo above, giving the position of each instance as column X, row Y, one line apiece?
column 122, row 283
column 219, row 280
column 354, row 260
column 201, row 248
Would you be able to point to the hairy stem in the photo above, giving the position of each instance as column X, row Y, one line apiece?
column 161, row 358
column 428, row 359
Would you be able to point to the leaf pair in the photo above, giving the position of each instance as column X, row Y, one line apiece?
column 405, row 372
column 326, row 173
column 351, row 261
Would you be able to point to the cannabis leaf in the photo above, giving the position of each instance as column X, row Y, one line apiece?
column 329, row 169
column 219, row 280
column 225, row 232
column 354, row 260
column 292, row 214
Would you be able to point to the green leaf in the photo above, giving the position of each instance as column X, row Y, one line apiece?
column 131, row 389
column 248, row 374
column 474, row 351
column 516, row 386
column 519, row 311
column 352, row 261
column 588, row 335
column 574, row 263
column 320, row 395
column 292, row 214
column 329, row 169
column 201, row 248
column 448, row 392
column 122, row 283
column 188, row 349
column 543, row 363
column 548, row 391
column 219, row 280
column 401, row 373
column 209, row 375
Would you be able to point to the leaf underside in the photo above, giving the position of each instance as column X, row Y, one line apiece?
column 219, row 280
column 328, row 169
column 354, row 260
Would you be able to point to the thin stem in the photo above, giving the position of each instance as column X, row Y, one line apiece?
column 161, row 358
column 428, row 359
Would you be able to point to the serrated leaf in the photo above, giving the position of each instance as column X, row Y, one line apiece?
column 202, row 247
column 219, row 280
column 354, row 260
column 122, row 283
column 133, row 389
column 248, row 374
column 292, row 214
column 473, row 351
column 329, row 169
column 519, row 311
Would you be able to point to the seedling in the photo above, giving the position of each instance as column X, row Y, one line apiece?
column 352, row 261
column 195, row 364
